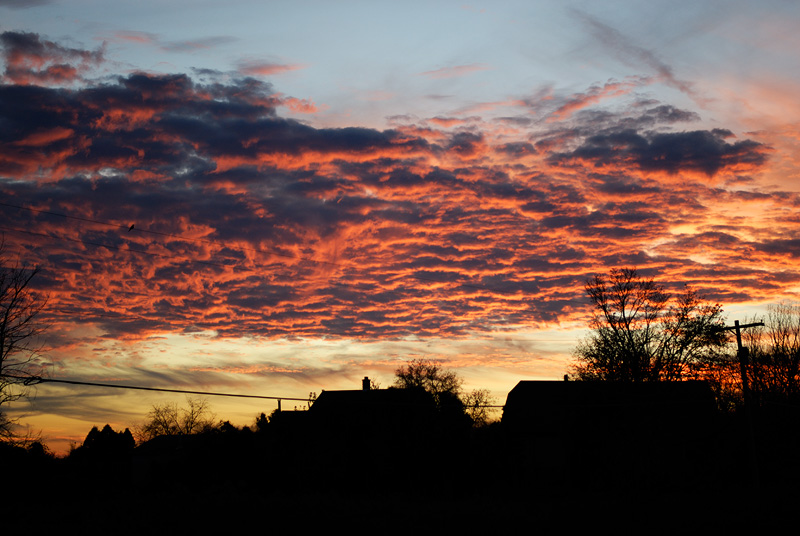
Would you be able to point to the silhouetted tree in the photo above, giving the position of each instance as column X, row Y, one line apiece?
column 169, row 419
column 19, row 330
column 262, row 422
column 640, row 334
column 443, row 385
column 476, row 405
column 107, row 441
column 226, row 427
column 773, row 368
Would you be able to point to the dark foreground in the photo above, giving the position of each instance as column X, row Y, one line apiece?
column 717, row 475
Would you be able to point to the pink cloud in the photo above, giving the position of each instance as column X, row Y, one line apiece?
column 595, row 95
column 136, row 37
column 191, row 45
column 447, row 122
column 305, row 106
column 254, row 68
column 456, row 71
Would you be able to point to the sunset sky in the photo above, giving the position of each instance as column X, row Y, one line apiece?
column 320, row 191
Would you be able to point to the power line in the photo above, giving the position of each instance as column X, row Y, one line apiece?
column 78, row 218
column 33, row 380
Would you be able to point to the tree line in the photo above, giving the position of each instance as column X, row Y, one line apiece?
column 639, row 332
column 195, row 417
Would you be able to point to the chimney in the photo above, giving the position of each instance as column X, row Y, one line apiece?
column 365, row 384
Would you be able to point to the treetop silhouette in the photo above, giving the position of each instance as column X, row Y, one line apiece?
column 641, row 333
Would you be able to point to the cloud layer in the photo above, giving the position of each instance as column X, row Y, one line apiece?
column 251, row 224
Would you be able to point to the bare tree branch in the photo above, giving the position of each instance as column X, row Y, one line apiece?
column 20, row 328
column 169, row 419
column 640, row 334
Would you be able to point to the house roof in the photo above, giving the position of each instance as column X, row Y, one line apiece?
column 372, row 401
column 548, row 403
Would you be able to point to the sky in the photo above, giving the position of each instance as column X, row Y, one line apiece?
column 276, row 198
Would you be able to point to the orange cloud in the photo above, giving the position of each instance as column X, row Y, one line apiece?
column 595, row 95
column 246, row 223
column 305, row 106
column 447, row 122
column 32, row 60
column 45, row 137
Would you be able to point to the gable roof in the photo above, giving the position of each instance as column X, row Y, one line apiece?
column 556, row 404
column 373, row 402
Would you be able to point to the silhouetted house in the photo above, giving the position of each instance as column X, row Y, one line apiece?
column 352, row 431
column 355, row 415
column 556, row 408
column 372, row 410
column 288, row 422
column 607, row 437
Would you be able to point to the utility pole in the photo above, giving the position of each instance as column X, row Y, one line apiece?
column 743, row 353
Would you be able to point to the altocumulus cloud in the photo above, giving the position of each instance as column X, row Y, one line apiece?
column 250, row 223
